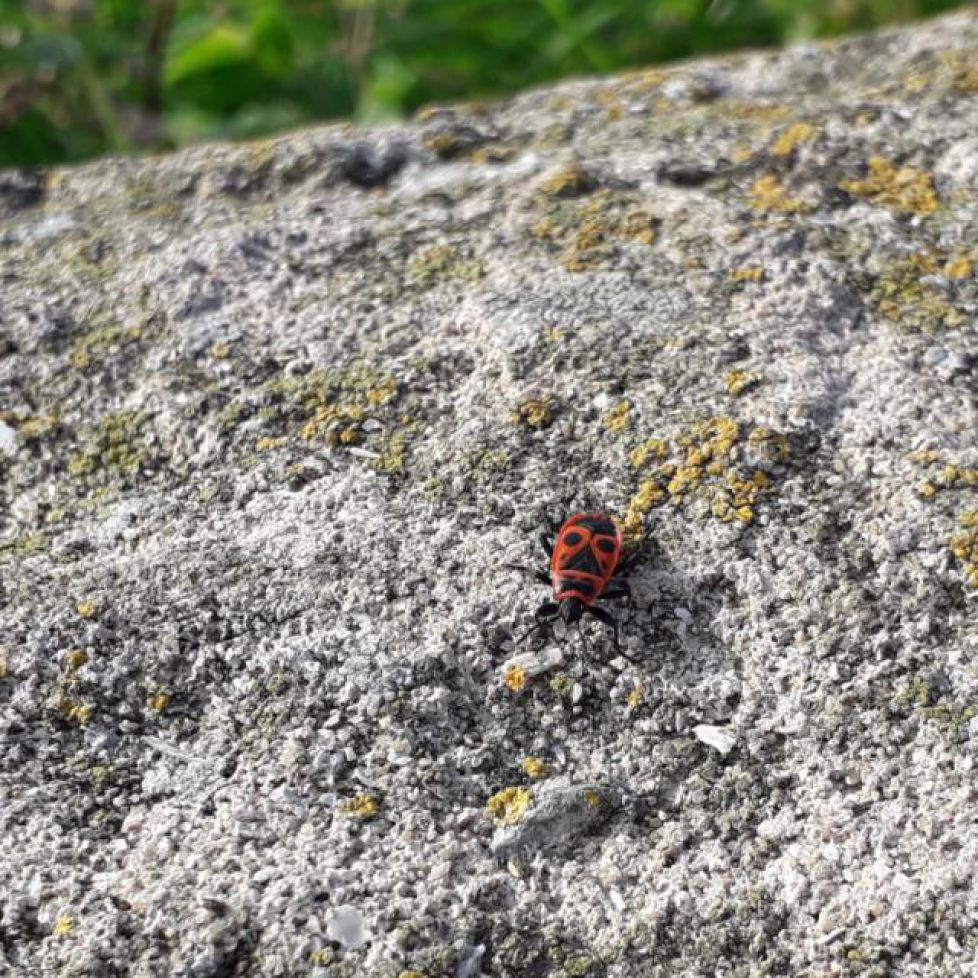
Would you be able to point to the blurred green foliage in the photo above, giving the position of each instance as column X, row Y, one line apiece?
column 79, row 78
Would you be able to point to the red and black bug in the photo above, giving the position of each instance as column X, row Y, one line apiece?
column 586, row 565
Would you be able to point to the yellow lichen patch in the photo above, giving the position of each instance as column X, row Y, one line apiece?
column 74, row 660
column 958, row 266
column 568, row 181
column 904, row 188
column 446, row 144
column 635, row 697
column 592, row 797
column 650, row 494
column 220, row 350
column 710, row 439
column 4, row 664
column 618, row 417
column 383, row 391
column 267, row 443
column 967, row 81
column 958, row 475
column 792, row 137
column 515, row 677
column 767, row 195
column 949, row 475
column 411, row 974
column 534, row 411
column 74, row 710
column 534, row 768
column 763, row 112
column 508, row 806
column 158, row 702
column 640, row 225
column 750, row 273
column 329, row 423
column 64, row 925
column 735, row 501
column 653, row 448
column 711, row 468
column 363, row 807
column 964, row 546
column 589, row 231
column 492, row 153
column 36, row 427
column 427, row 266
column 552, row 334
column 86, row 609
column 739, row 381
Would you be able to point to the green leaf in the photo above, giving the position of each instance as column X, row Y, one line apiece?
column 226, row 45
column 272, row 42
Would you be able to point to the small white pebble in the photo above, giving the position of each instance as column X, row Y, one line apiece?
column 719, row 738
column 8, row 439
column 346, row 926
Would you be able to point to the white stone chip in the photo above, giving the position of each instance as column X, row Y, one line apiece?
column 8, row 439
column 346, row 925
column 719, row 738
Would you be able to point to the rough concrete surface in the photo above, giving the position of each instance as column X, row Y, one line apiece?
column 276, row 418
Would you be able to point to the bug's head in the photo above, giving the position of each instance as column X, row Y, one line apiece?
column 571, row 610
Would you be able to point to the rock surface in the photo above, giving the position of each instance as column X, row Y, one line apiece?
column 276, row 417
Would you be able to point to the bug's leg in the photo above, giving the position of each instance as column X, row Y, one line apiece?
column 541, row 575
column 545, row 539
column 543, row 615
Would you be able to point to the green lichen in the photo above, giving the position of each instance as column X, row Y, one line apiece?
column 115, row 446
column 906, row 294
column 928, row 703
column 394, row 458
column 101, row 775
column 24, row 546
column 87, row 347
column 562, row 685
column 442, row 262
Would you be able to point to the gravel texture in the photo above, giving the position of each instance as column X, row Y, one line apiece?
column 275, row 418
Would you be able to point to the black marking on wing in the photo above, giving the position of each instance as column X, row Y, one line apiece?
column 598, row 524
column 583, row 560
column 569, row 584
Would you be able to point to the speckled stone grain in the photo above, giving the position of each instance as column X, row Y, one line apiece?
column 275, row 418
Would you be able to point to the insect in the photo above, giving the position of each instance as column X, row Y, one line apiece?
column 586, row 565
